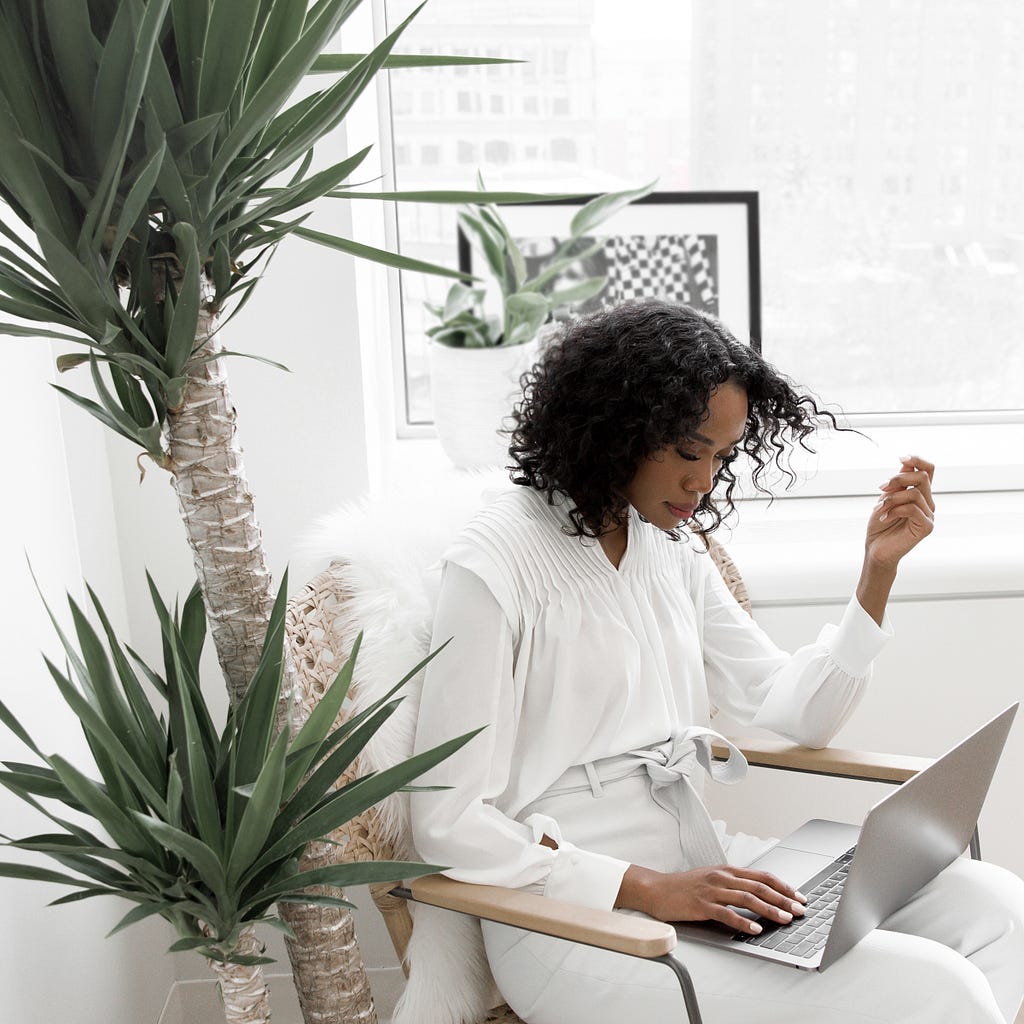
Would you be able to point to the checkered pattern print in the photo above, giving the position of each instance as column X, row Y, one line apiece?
column 675, row 268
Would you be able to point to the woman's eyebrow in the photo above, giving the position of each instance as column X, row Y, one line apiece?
column 700, row 438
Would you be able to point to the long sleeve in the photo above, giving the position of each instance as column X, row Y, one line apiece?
column 806, row 696
column 468, row 685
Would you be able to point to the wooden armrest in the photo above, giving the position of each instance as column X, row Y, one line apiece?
column 622, row 933
column 847, row 764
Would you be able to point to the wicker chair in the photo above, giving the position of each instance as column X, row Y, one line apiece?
column 314, row 626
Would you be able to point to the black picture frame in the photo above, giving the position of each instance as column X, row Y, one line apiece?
column 676, row 238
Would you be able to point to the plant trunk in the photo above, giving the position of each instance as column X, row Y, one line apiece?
column 243, row 990
column 208, row 472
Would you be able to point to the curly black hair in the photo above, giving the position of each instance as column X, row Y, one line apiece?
column 616, row 387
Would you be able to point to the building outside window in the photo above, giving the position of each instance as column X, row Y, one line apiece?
column 884, row 152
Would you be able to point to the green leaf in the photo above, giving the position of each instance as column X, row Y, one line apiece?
column 355, row 873
column 256, row 711
column 12, row 723
column 118, row 825
column 260, row 812
column 186, row 944
column 585, row 289
column 191, row 849
column 368, row 252
column 226, row 50
column 31, row 873
column 332, row 63
column 181, row 337
column 315, row 729
column 355, row 798
column 599, row 209
column 140, row 913
column 136, row 203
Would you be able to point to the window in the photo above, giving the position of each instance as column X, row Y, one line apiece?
column 891, row 213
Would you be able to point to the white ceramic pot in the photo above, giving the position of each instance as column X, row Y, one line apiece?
column 473, row 391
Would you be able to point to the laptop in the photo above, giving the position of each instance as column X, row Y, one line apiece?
column 854, row 878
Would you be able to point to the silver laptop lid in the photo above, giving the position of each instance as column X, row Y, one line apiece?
column 915, row 832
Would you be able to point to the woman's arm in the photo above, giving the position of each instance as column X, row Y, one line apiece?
column 468, row 685
column 903, row 517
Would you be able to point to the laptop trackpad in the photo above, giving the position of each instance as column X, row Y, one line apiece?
column 808, row 850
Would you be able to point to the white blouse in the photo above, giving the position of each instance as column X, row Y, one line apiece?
column 568, row 660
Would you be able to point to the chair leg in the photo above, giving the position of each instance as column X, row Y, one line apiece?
column 686, row 984
column 975, row 845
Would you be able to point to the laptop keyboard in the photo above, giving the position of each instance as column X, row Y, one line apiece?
column 807, row 935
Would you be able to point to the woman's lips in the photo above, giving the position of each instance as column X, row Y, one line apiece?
column 681, row 511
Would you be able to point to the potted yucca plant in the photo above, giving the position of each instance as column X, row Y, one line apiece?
column 204, row 828
column 486, row 338
column 152, row 156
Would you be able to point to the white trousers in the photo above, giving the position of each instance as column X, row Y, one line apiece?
column 954, row 953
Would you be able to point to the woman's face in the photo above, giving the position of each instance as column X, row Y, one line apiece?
column 669, row 484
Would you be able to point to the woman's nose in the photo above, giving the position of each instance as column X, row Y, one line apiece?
column 700, row 478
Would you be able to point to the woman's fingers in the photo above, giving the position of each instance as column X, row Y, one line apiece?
column 903, row 503
column 915, row 473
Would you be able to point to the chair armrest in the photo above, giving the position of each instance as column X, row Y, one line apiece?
column 622, row 933
column 847, row 764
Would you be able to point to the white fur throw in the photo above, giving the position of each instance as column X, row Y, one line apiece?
column 391, row 563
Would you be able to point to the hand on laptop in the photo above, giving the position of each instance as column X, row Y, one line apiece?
column 707, row 894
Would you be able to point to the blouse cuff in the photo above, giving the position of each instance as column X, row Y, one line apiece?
column 579, row 876
column 857, row 640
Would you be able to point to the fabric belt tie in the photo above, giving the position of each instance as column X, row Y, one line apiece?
column 668, row 767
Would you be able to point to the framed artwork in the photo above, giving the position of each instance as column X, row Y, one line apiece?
column 696, row 248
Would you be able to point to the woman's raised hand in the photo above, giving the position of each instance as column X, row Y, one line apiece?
column 709, row 894
column 904, row 515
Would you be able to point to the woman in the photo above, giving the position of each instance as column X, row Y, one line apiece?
column 593, row 635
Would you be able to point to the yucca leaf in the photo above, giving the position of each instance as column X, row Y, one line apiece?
column 356, row 873
column 585, row 289
column 287, row 199
column 382, row 256
column 194, row 758
column 181, row 336
column 84, row 894
column 318, row 901
column 193, row 624
column 118, row 825
column 44, row 782
column 20, row 331
column 311, row 792
column 355, row 798
column 140, row 913
column 332, row 63
column 85, row 294
column 255, row 713
column 260, row 812
column 191, row 849
column 31, row 873
column 75, row 53
column 456, row 197
column 73, row 185
column 277, row 36
column 136, row 202
column 120, row 83
column 226, row 50
column 152, row 731
column 190, row 942
column 271, row 94
column 8, row 719
column 321, row 720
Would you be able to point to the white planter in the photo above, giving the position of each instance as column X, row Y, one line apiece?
column 473, row 391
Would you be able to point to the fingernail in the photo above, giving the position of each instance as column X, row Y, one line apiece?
column 882, row 518
column 798, row 910
column 801, row 896
column 786, row 916
column 755, row 927
column 906, row 458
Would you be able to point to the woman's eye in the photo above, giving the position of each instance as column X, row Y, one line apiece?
column 689, row 456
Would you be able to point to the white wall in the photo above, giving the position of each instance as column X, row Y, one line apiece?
column 54, row 964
